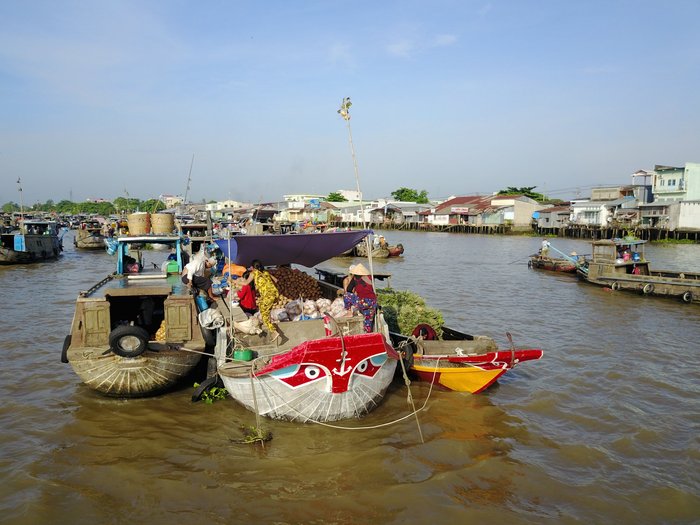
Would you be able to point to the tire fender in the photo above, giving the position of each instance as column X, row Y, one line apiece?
column 687, row 297
column 128, row 341
column 64, row 351
column 648, row 288
column 615, row 286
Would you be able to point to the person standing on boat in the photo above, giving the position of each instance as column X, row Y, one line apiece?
column 246, row 296
column 267, row 294
column 544, row 251
column 193, row 275
column 359, row 293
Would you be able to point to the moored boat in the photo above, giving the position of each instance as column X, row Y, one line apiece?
column 621, row 265
column 35, row 240
column 458, row 361
column 136, row 333
column 552, row 264
column 322, row 369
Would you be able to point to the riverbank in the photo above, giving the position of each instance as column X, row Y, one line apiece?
column 578, row 232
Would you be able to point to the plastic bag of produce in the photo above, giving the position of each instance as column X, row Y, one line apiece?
column 323, row 305
column 250, row 327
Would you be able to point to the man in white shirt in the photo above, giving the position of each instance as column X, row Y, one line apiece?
column 193, row 275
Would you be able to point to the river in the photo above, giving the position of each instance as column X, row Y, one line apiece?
column 605, row 428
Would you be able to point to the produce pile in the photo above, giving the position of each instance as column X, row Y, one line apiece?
column 404, row 310
column 294, row 284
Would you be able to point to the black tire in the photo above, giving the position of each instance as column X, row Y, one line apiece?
column 205, row 385
column 648, row 288
column 615, row 286
column 64, row 351
column 407, row 356
column 209, row 336
column 128, row 341
column 687, row 297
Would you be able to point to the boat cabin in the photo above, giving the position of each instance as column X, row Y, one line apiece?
column 618, row 257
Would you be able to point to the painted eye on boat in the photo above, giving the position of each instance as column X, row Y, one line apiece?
column 368, row 367
column 312, row 372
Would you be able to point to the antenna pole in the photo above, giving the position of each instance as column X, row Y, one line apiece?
column 189, row 179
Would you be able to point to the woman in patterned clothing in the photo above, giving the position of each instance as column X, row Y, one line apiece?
column 267, row 294
column 359, row 293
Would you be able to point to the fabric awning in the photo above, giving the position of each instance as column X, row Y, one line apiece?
column 307, row 249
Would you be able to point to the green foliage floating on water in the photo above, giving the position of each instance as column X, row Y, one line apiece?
column 212, row 394
column 253, row 435
column 404, row 310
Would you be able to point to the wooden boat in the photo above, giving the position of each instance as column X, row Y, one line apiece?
column 459, row 362
column 89, row 236
column 35, row 240
column 136, row 333
column 552, row 264
column 318, row 370
column 381, row 251
column 621, row 265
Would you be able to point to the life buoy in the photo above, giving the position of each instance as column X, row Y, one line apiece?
column 687, row 297
column 648, row 288
column 128, row 341
column 615, row 286
column 425, row 331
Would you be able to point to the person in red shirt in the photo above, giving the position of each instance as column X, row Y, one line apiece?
column 246, row 296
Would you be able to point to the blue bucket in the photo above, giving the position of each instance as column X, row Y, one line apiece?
column 201, row 303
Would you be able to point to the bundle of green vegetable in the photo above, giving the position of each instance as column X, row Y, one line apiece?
column 404, row 310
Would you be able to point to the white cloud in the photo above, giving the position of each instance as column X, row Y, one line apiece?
column 401, row 48
column 444, row 40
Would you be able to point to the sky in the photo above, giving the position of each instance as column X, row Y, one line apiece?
column 106, row 98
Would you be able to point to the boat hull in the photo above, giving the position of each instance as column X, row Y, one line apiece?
column 550, row 264
column 37, row 248
column 311, row 383
column 456, row 377
column 89, row 240
column 662, row 283
column 155, row 371
column 472, row 372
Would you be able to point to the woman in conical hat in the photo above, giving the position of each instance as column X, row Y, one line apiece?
column 359, row 293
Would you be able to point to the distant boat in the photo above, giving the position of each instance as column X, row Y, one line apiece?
column 89, row 236
column 621, row 265
column 542, row 262
column 35, row 240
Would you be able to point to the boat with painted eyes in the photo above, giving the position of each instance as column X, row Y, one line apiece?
column 319, row 369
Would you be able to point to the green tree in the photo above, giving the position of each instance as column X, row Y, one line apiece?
column 525, row 190
column 335, row 196
column 410, row 195
column 122, row 204
column 9, row 207
column 153, row 205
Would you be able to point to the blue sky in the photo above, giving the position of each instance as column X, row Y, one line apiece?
column 102, row 97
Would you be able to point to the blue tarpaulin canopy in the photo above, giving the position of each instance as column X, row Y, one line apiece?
column 307, row 249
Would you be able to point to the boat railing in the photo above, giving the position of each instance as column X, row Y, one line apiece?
column 94, row 288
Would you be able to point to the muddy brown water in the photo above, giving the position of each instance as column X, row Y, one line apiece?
column 604, row 429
